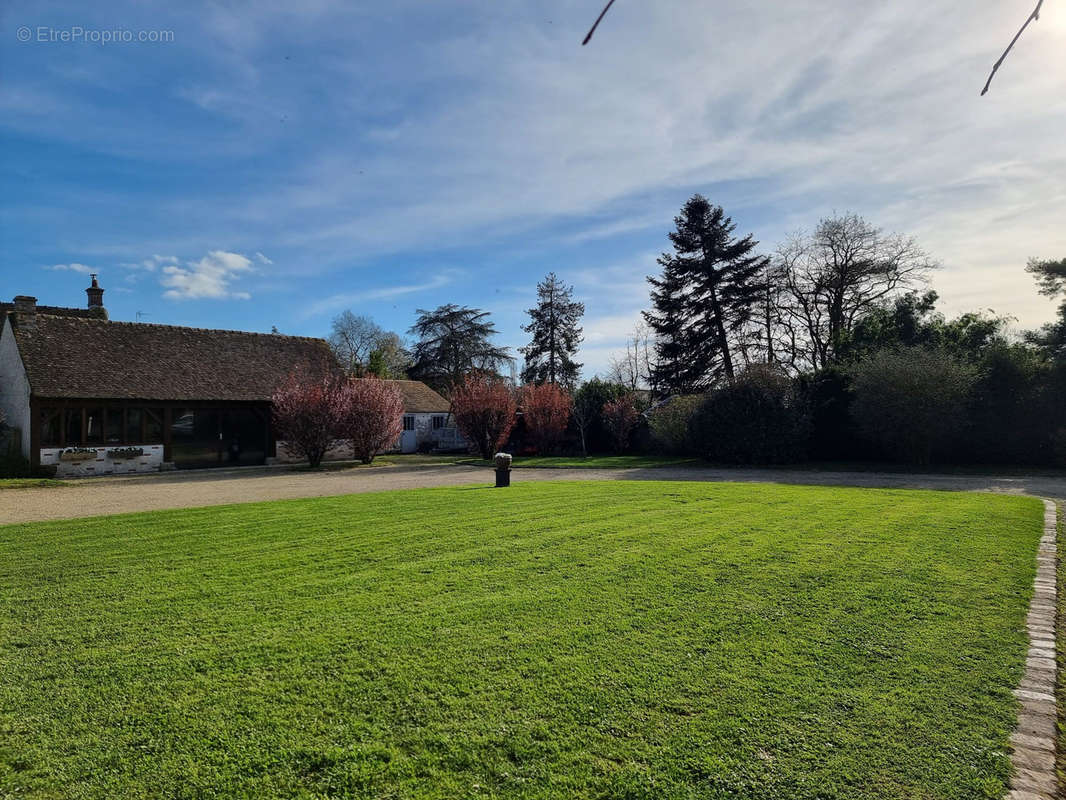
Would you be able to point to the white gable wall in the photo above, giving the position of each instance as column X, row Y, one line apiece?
column 14, row 386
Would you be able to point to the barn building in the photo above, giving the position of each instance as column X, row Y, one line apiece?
column 94, row 396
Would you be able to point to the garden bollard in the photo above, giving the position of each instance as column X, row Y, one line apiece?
column 503, row 469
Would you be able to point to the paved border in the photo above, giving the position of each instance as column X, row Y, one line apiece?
column 1033, row 759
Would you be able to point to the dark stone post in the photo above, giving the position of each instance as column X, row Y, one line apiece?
column 503, row 469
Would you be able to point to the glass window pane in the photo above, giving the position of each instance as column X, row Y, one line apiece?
column 94, row 425
column 73, row 425
column 51, row 422
column 114, row 426
column 153, row 429
column 195, row 437
column 133, row 426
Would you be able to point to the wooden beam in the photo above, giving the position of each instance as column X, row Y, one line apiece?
column 35, row 433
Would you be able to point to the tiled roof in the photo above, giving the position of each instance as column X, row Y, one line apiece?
column 55, row 311
column 92, row 358
column 420, row 399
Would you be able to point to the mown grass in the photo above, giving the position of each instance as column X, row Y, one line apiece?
column 28, row 483
column 631, row 640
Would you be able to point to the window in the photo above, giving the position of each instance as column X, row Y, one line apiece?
column 94, row 425
column 153, row 426
column 438, row 422
column 51, row 427
column 72, row 422
column 134, row 417
column 113, row 429
column 75, row 426
column 408, row 423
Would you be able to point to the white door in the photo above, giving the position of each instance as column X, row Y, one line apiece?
column 408, row 439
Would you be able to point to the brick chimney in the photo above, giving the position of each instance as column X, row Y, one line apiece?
column 96, row 299
column 26, row 310
column 96, row 294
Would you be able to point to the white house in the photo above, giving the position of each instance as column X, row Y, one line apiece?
column 427, row 421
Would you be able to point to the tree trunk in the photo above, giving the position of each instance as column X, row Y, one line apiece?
column 723, row 339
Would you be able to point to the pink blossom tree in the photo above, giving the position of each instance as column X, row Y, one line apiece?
column 374, row 418
column 546, row 410
column 308, row 410
column 484, row 408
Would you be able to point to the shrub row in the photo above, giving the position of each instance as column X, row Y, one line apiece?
column 917, row 405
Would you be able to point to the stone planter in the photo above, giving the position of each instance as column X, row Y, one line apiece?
column 503, row 469
column 77, row 455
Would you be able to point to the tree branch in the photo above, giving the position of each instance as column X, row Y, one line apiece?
column 610, row 3
column 1034, row 16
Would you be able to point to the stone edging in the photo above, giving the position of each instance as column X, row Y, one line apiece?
column 1033, row 759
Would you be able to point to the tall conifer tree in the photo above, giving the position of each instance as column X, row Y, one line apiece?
column 556, row 335
column 708, row 290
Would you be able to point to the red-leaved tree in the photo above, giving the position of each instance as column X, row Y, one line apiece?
column 308, row 409
column 546, row 410
column 620, row 417
column 484, row 408
column 374, row 417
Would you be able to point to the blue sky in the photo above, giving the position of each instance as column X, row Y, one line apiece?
column 276, row 163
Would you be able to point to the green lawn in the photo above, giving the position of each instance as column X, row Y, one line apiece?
column 608, row 640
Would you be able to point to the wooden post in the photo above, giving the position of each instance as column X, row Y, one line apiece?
column 34, row 433
column 168, row 414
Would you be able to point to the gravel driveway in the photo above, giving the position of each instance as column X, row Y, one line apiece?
column 97, row 496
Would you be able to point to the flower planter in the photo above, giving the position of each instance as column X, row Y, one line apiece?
column 77, row 455
column 125, row 453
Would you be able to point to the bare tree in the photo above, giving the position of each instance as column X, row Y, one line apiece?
column 582, row 414
column 353, row 338
column 772, row 336
column 832, row 277
column 632, row 368
column 363, row 347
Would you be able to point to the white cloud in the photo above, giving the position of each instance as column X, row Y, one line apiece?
column 73, row 267
column 152, row 263
column 779, row 112
column 339, row 301
column 262, row 259
column 210, row 277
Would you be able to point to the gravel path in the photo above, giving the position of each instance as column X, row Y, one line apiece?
column 98, row 496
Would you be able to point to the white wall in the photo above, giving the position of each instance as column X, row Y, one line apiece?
column 14, row 386
column 103, row 464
